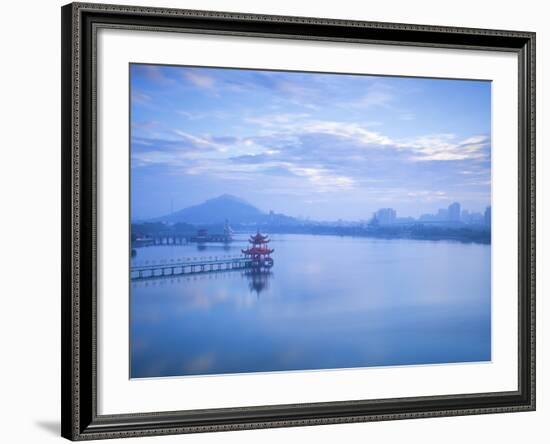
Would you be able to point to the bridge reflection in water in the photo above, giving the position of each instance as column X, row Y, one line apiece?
column 258, row 278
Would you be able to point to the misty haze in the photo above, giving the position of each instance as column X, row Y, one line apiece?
column 292, row 221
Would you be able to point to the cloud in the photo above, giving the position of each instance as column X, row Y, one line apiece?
column 340, row 162
column 352, row 131
column 476, row 140
column 200, row 142
column 283, row 89
column 153, row 73
column 427, row 195
column 322, row 179
column 321, row 157
column 434, row 147
column 199, row 78
column 192, row 115
column 378, row 95
column 308, row 148
column 153, row 157
column 140, row 97
column 443, row 148
column 407, row 117
column 275, row 120
column 145, row 125
column 309, row 136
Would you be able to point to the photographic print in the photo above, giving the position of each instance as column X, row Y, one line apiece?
column 297, row 221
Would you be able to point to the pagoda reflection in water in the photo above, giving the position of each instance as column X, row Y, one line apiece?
column 258, row 279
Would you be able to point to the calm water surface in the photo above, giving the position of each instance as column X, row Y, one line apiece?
column 329, row 302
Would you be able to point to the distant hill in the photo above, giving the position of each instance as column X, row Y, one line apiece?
column 216, row 211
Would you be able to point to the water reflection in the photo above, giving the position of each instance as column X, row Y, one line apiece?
column 328, row 302
column 258, row 279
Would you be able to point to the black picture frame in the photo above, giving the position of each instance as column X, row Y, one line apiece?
column 80, row 420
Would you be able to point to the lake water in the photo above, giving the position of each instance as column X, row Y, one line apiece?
column 328, row 302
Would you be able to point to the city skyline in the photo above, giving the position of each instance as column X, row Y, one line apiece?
column 453, row 213
column 481, row 211
column 384, row 215
column 319, row 146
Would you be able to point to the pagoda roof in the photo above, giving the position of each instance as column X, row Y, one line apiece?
column 259, row 238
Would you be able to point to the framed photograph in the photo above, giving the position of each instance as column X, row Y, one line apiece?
column 281, row 221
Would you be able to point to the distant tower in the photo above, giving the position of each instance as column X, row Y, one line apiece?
column 454, row 212
column 374, row 222
column 227, row 232
column 386, row 216
column 258, row 251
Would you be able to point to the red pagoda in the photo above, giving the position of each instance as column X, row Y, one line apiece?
column 258, row 251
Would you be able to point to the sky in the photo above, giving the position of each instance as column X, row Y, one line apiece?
column 311, row 145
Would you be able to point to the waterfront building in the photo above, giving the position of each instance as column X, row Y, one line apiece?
column 385, row 216
column 259, row 250
column 454, row 212
column 227, row 232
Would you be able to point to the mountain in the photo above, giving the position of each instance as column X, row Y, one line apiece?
column 216, row 211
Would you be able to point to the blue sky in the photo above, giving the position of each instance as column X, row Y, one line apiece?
column 324, row 146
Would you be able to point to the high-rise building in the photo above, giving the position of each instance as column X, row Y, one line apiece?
column 386, row 216
column 454, row 212
column 487, row 216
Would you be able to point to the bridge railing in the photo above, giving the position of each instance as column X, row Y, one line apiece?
column 189, row 267
column 176, row 262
